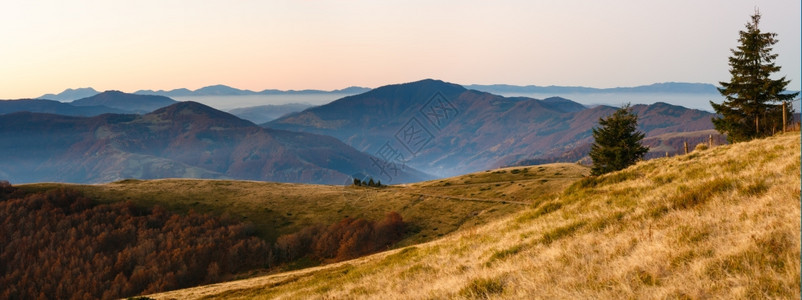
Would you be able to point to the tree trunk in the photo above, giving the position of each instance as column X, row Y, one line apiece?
column 757, row 125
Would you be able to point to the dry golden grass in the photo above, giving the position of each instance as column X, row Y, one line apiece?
column 281, row 208
column 719, row 223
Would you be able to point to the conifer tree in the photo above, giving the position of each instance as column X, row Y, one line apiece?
column 753, row 105
column 617, row 143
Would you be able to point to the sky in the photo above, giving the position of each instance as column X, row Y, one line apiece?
column 49, row 46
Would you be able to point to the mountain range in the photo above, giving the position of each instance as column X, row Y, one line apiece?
column 445, row 129
column 185, row 139
column 665, row 87
column 223, row 90
column 53, row 107
column 71, row 94
column 212, row 90
column 390, row 133
column 115, row 102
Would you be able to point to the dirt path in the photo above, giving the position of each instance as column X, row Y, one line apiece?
column 501, row 201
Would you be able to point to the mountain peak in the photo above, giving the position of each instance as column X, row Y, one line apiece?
column 71, row 94
column 563, row 105
column 196, row 112
column 220, row 89
column 429, row 82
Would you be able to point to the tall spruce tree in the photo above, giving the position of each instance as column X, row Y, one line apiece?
column 753, row 105
column 617, row 143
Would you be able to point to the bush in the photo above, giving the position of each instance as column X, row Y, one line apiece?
column 346, row 239
column 700, row 147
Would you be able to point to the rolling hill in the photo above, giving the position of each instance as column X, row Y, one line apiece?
column 184, row 220
column 266, row 113
column 54, row 107
column 127, row 102
column 718, row 223
column 185, row 139
column 433, row 208
column 113, row 102
column 446, row 130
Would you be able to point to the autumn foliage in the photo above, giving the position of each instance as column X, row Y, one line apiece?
column 60, row 245
column 346, row 239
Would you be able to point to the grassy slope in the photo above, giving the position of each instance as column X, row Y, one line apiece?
column 721, row 223
column 280, row 208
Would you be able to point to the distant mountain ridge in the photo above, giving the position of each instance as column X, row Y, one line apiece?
column 461, row 130
column 114, row 102
column 212, row 90
column 183, row 140
column 127, row 102
column 266, row 113
column 223, row 90
column 665, row 87
column 54, row 107
column 71, row 94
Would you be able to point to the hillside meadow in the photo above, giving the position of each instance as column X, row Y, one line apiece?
column 717, row 223
column 431, row 209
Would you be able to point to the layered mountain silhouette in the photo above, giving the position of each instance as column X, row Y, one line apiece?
column 665, row 87
column 101, row 103
column 212, row 90
column 388, row 132
column 223, row 90
column 71, row 94
column 124, row 101
column 185, row 139
column 445, row 129
column 53, row 107
column 266, row 113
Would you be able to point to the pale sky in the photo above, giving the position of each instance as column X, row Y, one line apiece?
column 48, row 46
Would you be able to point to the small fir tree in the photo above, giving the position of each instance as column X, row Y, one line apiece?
column 617, row 143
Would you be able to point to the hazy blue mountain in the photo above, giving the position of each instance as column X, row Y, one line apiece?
column 71, row 94
column 171, row 93
column 562, row 105
column 667, row 87
column 183, row 140
column 223, row 90
column 265, row 113
column 54, row 107
column 126, row 102
column 445, row 129
column 218, row 90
